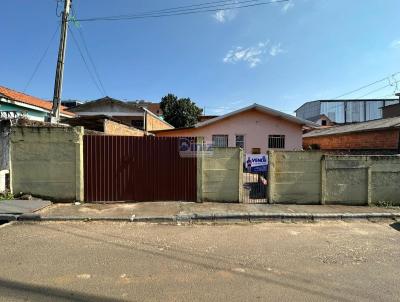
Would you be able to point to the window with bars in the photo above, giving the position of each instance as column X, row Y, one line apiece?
column 276, row 141
column 240, row 141
column 220, row 140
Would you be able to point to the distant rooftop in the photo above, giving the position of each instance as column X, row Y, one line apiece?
column 380, row 124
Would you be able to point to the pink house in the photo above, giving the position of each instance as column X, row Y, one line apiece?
column 255, row 128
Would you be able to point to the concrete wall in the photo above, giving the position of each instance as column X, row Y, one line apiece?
column 294, row 177
column 314, row 178
column 47, row 162
column 360, row 180
column 113, row 128
column 220, row 175
column 253, row 124
column 4, row 145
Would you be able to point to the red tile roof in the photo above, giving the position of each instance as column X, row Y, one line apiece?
column 30, row 100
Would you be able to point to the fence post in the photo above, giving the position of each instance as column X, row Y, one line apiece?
column 199, row 155
column 323, row 180
column 79, row 158
column 240, row 166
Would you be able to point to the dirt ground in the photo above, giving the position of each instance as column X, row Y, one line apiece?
column 104, row 261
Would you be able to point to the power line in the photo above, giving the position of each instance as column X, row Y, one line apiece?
column 366, row 86
column 378, row 89
column 41, row 60
column 91, row 61
column 84, row 61
column 80, row 31
column 179, row 12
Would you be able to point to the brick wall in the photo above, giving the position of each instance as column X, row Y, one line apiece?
column 372, row 140
column 113, row 128
column 153, row 123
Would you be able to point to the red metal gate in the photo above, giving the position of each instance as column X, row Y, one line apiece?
column 127, row 168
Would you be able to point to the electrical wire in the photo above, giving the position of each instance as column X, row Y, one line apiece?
column 366, row 86
column 41, row 60
column 85, row 62
column 378, row 89
column 179, row 12
column 80, row 31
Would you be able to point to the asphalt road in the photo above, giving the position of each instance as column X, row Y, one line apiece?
column 326, row 261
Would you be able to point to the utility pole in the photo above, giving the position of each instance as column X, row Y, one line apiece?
column 55, row 112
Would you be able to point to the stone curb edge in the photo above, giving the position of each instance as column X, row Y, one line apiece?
column 213, row 217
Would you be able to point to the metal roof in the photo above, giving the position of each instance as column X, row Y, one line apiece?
column 380, row 124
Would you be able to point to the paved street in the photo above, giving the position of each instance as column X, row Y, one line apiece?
column 104, row 261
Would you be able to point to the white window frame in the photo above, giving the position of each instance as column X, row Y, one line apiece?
column 244, row 140
column 219, row 136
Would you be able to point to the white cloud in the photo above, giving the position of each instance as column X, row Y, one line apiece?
column 287, row 6
column 226, row 15
column 276, row 50
column 252, row 55
column 395, row 44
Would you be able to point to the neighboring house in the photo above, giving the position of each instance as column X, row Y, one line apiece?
column 126, row 113
column 345, row 111
column 152, row 107
column 322, row 120
column 71, row 103
column 203, row 118
column 391, row 110
column 14, row 104
column 102, row 124
column 255, row 128
column 377, row 135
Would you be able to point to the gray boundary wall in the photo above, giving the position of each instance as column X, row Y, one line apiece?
column 313, row 178
column 4, row 145
column 47, row 162
column 220, row 175
column 294, row 177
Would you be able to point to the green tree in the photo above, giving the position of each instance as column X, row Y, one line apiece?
column 180, row 112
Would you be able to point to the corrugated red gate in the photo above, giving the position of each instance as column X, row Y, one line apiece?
column 127, row 168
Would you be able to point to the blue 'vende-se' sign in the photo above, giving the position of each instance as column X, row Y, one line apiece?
column 256, row 162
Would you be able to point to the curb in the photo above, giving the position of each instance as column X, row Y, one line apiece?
column 214, row 217
column 8, row 217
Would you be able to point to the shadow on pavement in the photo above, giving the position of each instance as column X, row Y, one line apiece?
column 14, row 289
column 396, row 226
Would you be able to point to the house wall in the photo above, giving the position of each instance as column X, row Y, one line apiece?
column 311, row 177
column 153, row 123
column 220, row 175
column 47, row 162
column 30, row 113
column 113, row 128
column 254, row 125
column 383, row 139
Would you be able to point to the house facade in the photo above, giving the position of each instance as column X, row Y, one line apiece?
column 255, row 128
column 14, row 104
column 130, row 114
column 379, row 136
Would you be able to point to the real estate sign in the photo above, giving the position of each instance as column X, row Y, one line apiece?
column 256, row 162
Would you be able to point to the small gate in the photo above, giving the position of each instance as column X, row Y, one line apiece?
column 127, row 168
column 255, row 180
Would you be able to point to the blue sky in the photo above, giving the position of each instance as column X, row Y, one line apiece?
column 278, row 55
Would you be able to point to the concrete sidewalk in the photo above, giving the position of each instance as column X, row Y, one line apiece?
column 11, row 209
column 189, row 211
